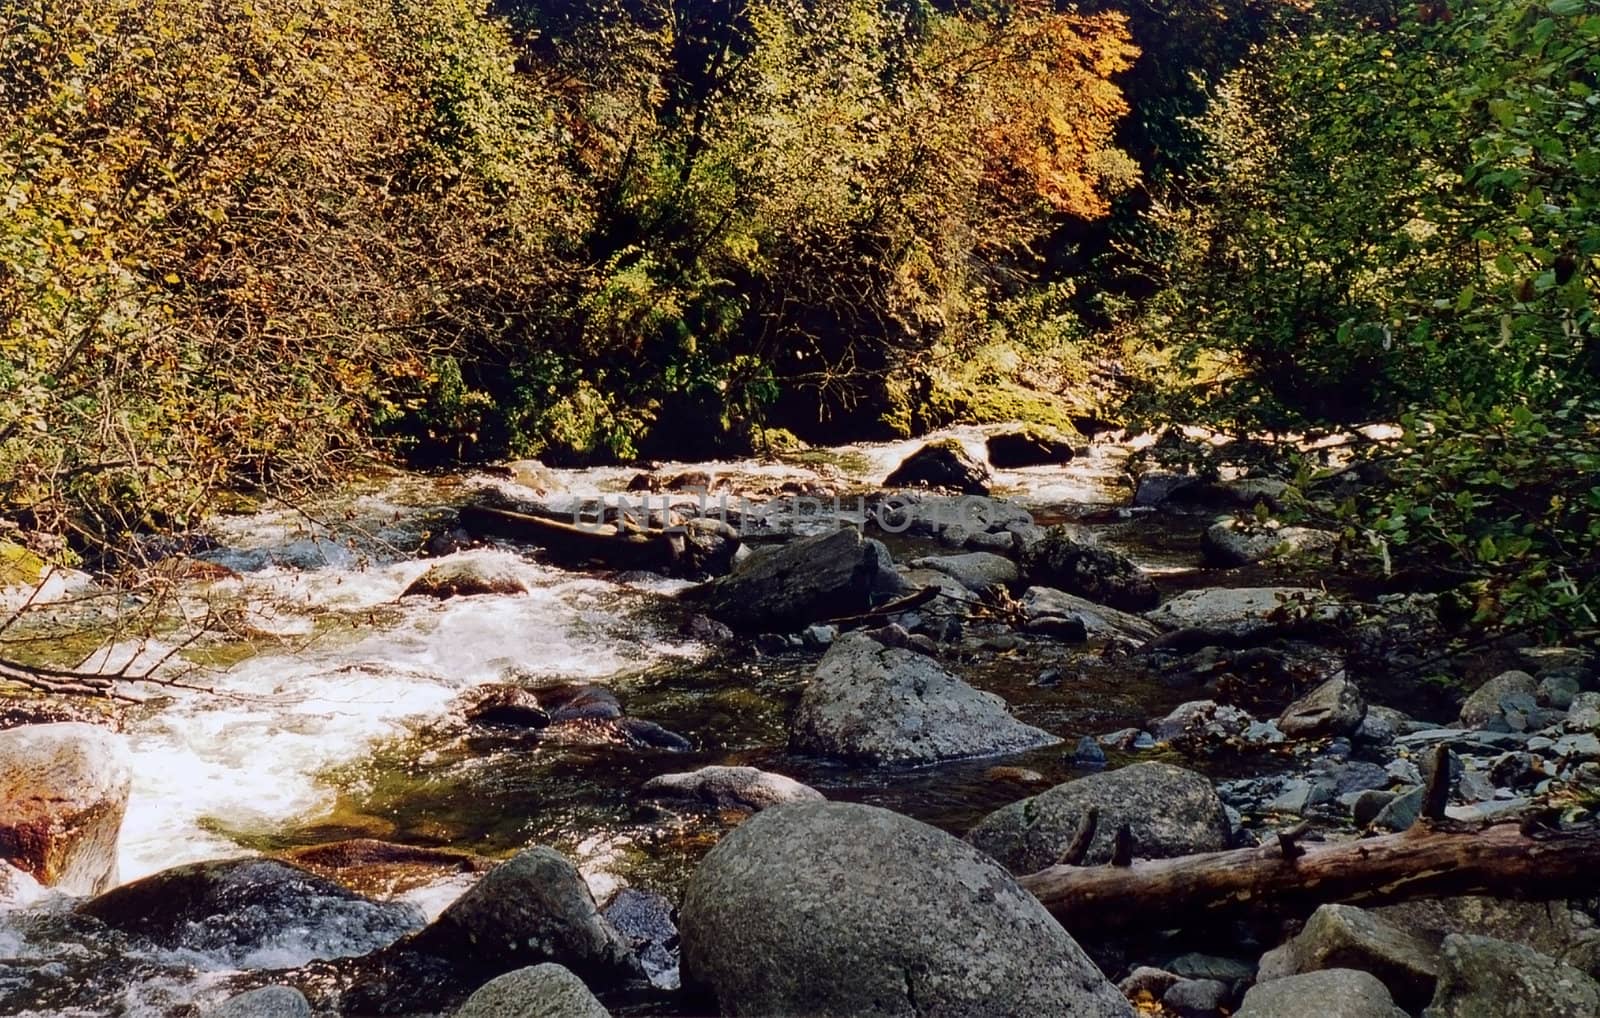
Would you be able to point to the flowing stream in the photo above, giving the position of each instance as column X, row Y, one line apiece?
column 328, row 711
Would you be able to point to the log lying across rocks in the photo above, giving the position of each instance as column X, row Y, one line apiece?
column 613, row 547
column 1435, row 858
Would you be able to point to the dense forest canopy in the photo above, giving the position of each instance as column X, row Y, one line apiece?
column 246, row 242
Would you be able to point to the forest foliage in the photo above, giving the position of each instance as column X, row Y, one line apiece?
column 245, row 242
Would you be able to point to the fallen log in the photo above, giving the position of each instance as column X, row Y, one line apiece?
column 1435, row 858
column 611, row 546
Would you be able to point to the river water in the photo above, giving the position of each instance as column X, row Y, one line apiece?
column 328, row 710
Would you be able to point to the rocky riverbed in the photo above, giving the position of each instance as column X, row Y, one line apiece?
column 772, row 738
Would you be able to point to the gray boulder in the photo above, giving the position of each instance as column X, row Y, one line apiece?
column 1169, row 812
column 63, row 793
column 532, row 908
column 267, row 1002
column 1334, row 708
column 1056, row 558
column 1330, row 993
column 1481, row 977
column 731, row 788
column 1040, row 604
column 1547, row 927
column 1156, row 487
column 944, row 463
column 1342, row 936
column 873, row 704
column 845, row 909
column 1484, row 703
column 538, row 991
column 831, row 574
column 1231, row 542
column 466, row 576
column 973, row 570
column 1239, row 610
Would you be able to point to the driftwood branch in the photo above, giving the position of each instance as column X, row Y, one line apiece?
column 615, row 547
column 1507, row 859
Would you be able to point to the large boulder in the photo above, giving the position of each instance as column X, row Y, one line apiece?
column 1481, row 977
column 63, row 793
column 467, row 576
column 1231, row 542
column 844, row 909
column 825, row 576
column 255, row 913
column 538, row 991
column 1042, row 605
column 1343, row 936
column 743, row 788
column 1484, row 703
column 872, row 704
column 1241, row 610
column 941, row 464
column 1054, row 557
column 1029, row 447
column 1329, row 993
column 1547, row 927
column 1169, row 812
column 1334, row 708
column 975, row 570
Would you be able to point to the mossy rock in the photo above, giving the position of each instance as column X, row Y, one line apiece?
column 19, row 567
column 779, row 442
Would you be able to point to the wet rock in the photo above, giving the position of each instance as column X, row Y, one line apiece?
column 878, row 705
column 941, row 464
column 649, row 735
column 975, row 570
column 644, row 919
column 534, row 907
column 705, row 547
column 743, row 788
column 1196, row 998
column 1480, row 977
column 468, row 576
column 705, row 629
column 255, row 913
column 1232, row 542
column 1334, row 708
column 1484, row 704
column 1195, row 965
column 1239, row 610
column 1330, row 993
column 1169, row 812
column 63, row 793
column 505, row 706
column 1029, row 447
column 1057, row 559
column 844, row 909
column 1041, row 604
column 1156, row 487
column 1126, row 739
column 830, row 575
column 578, row 702
column 267, row 1002
column 539, row 991
column 1068, row 629
column 1342, row 936
column 383, row 869
column 1148, row 982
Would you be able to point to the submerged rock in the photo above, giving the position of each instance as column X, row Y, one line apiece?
column 1169, row 812
column 873, row 704
column 1330, row 993
column 941, row 464
column 252, row 913
column 465, row 577
column 539, row 991
column 731, row 788
column 830, row 575
column 63, row 793
column 843, row 909
column 1055, row 558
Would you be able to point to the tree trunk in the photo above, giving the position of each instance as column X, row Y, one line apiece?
column 1432, row 859
column 608, row 545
